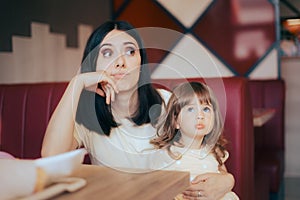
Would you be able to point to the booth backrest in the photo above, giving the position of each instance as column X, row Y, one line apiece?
column 269, row 94
column 25, row 110
column 269, row 138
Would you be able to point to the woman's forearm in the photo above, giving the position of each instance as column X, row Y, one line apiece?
column 59, row 133
column 229, row 181
column 229, row 177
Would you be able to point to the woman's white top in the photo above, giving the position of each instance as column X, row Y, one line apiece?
column 127, row 148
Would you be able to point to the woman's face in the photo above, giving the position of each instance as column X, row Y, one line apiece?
column 119, row 56
column 195, row 119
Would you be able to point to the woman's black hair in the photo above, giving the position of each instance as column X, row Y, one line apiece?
column 147, row 95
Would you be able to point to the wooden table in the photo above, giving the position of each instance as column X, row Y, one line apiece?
column 105, row 183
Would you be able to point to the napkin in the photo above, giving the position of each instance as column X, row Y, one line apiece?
column 19, row 177
column 62, row 164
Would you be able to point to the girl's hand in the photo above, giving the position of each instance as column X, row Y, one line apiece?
column 91, row 80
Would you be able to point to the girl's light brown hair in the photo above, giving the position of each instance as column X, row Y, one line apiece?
column 168, row 135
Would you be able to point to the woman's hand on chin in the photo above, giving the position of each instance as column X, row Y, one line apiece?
column 91, row 80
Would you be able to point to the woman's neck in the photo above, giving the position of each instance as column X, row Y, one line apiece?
column 125, row 104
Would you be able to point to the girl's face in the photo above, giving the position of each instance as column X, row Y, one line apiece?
column 195, row 119
column 119, row 56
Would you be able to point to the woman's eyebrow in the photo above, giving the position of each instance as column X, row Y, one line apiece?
column 132, row 43
column 125, row 43
column 105, row 44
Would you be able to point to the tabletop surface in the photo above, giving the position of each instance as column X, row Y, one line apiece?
column 106, row 183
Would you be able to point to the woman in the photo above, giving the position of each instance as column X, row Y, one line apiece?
column 114, row 124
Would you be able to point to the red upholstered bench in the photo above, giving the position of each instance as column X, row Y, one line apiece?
column 269, row 138
column 25, row 111
column 26, row 108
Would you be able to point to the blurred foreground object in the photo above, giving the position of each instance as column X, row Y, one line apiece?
column 20, row 178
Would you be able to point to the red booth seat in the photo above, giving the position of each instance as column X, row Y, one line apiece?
column 269, row 138
column 26, row 108
column 25, row 111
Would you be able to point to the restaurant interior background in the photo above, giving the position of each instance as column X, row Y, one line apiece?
column 43, row 41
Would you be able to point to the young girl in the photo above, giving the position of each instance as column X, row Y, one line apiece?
column 191, row 132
